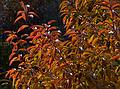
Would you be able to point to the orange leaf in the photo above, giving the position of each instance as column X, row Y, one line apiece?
column 91, row 39
column 20, row 17
column 45, row 45
column 9, row 39
column 116, row 57
column 19, row 12
column 34, row 32
column 22, row 41
column 51, row 61
column 24, row 16
column 22, row 27
column 101, row 31
column 115, row 5
column 10, row 72
column 29, row 48
column 15, row 58
column 15, row 75
column 12, row 55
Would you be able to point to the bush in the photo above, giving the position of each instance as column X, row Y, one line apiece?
column 88, row 59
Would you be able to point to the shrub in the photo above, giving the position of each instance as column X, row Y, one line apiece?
column 88, row 59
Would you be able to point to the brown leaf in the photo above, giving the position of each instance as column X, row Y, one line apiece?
column 23, row 5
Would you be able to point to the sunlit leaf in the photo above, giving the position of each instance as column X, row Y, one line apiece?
column 91, row 39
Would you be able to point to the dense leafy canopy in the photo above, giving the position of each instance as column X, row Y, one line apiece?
column 88, row 59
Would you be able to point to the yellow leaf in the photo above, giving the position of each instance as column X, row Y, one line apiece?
column 94, row 41
column 91, row 39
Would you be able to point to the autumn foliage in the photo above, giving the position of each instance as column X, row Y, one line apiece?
column 88, row 59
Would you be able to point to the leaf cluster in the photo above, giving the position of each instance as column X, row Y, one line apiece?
column 89, row 59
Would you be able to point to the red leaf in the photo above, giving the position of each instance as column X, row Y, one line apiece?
column 36, row 37
column 51, row 21
column 23, row 5
column 22, row 27
column 33, row 13
column 52, row 28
